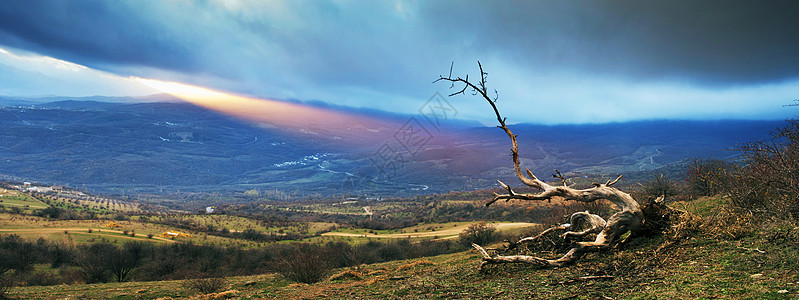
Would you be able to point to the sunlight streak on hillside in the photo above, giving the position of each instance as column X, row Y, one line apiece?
column 271, row 113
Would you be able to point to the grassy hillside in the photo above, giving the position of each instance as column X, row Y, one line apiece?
column 716, row 254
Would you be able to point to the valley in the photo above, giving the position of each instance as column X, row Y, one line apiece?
column 182, row 150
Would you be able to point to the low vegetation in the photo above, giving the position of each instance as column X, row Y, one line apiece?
column 737, row 237
column 701, row 259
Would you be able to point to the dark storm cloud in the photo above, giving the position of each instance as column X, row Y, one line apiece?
column 710, row 41
column 287, row 44
column 380, row 54
column 95, row 33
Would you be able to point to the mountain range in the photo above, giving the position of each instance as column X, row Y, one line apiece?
column 152, row 146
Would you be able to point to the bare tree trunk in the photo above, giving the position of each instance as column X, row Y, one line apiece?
column 628, row 218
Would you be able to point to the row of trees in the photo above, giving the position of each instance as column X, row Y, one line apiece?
column 402, row 213
column 141, row 261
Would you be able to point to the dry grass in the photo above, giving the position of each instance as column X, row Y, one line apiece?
column 346, row 275
column 414, row 265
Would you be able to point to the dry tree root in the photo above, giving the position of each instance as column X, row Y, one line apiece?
column 593, row 224
column 589, row 223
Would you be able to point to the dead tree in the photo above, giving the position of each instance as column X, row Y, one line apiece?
column 628, row 218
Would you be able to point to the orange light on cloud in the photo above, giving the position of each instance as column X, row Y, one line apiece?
column 298, row 117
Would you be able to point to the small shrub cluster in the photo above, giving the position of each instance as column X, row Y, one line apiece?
column 478, row 233
column 307, row 264
column 660, row 185
column 208, row 285
column 707, row 177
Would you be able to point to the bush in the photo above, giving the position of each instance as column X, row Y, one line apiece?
column 660, row 186
column 208, row 285
column 16, row 254
column 50, row 212
column 478, row 233
column 252, row 234
column 59, row 255
column 767, row 182
column 708, row 177
column 306, row 263
column 42, row 279
column 93, row 261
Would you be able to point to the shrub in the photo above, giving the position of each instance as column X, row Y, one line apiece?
column 93, row 261
column 660, row 186
column 50, row 212
column 767, row 181
column 478, row 233
column 16, row 254
column 208, row 285
column 252, row 234
column 42, row 279
column 59, row 255
column 306, row 263
column 708, row 177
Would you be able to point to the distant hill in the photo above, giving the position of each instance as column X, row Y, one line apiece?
column 176, row 146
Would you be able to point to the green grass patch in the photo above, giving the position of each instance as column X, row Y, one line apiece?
column 21, row 201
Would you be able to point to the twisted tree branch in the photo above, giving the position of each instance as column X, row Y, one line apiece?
column 628, row 218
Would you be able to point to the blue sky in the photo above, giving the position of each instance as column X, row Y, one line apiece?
column 551, row 61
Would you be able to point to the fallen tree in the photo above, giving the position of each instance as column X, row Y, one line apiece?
column 630, row 216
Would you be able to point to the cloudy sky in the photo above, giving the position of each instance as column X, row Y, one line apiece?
column 550, row 61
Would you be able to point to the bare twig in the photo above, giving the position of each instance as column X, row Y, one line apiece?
column 753, row 249
column 558, row 175
column 586, row 278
